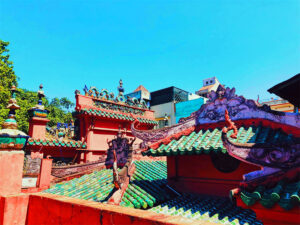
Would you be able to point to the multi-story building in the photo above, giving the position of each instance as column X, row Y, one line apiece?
column 279, row 105
column 163, row 104
column 209, row 84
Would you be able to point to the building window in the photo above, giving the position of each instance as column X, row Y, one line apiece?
column 161, row 123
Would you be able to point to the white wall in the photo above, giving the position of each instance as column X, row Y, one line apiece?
column 193, row 96
column 166, row 108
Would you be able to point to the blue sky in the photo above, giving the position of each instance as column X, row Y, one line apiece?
column 250, row 45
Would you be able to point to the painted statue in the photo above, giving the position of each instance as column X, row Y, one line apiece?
column 119, row 155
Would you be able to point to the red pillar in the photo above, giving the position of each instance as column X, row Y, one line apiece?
column 13, row 204
column 11, row 172
column 45, row 174
column 37, row 127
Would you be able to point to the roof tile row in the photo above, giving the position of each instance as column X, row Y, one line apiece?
column 148, row 186
column 57, row 142
column 211, row 209
column 114, row 115
column 208, row 140
column 287, row 195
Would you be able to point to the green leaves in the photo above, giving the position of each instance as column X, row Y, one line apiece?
column 59, row 108
column 7, row 79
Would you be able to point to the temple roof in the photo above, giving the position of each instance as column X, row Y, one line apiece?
column 206, row 87
column 288, row 90
column 57, row 143
column 148, row 188
column 141, row 88
column 284, row 193
column 110, row 98
column 114, row 115
column 209, row 140
column 207, row 208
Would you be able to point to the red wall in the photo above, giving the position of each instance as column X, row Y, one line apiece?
column 197, row 174
column 13, row 209
column 275, row 215
column 52, row 209
column 11, row 167
column 96, row 130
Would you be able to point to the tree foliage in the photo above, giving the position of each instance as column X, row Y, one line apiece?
column 59, row 108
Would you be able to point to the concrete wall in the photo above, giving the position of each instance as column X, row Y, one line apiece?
column 166, row 108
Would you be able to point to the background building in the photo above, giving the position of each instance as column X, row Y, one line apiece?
column 184, row 109
column 140, row 93
column 279, row 105
column 163, row 104
column 289, row 90
column 209, row 84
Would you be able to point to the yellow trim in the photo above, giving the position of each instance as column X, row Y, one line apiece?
column 161, row 118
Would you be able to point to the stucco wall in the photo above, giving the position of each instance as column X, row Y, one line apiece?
column 52, row 209
column 197, row 174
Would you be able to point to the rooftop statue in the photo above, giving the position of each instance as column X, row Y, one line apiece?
column 119, row 155
column 120, row 88
column 110, row 100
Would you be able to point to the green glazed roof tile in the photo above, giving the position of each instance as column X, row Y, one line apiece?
column 287, row 195
column 210, row 209
column 207, row 141
column 116, row 115
column 146, row 189
column 57, row 143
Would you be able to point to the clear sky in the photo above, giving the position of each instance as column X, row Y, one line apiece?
column 250, row 45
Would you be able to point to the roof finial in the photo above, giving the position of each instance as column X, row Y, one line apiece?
column 41, row 95
column 10, row 137
column 10, row 122
column 39, row 109
column 120, row 88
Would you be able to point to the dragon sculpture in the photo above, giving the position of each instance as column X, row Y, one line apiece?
column 110, row 97
column 277, row 159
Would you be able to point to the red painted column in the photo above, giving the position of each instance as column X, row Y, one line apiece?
column 45, row 174
column 13, row 204
column 37, row 127
column 11, row 172
column 13, row 209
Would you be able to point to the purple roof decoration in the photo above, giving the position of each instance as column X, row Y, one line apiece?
column 213, row 111
column 275, row 158
column 240, row 108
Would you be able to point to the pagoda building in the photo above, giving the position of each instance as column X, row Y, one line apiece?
column 42, row 144
column 100, row 115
